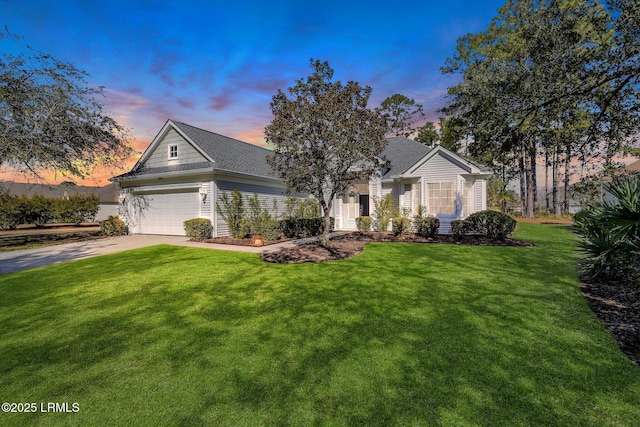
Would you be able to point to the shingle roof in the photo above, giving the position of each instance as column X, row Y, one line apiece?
column 236, row 156
column 403, row 153
column 229, row 154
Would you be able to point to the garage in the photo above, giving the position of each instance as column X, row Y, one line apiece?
column 165, row 213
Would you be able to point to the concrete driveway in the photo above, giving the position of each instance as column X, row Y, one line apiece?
column 31, row 258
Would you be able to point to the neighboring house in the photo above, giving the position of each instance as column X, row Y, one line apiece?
column 108, row 194
column 183, row 172
column 447, row 185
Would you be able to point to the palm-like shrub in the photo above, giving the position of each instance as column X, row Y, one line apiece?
column 611, row 234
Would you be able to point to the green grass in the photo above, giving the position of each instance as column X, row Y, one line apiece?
column 402, row 334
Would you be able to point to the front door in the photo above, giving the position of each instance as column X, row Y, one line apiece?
column 364, row 204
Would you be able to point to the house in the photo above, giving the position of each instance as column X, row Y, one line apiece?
column 183, row 172
column 108, row 194
column 449, row 186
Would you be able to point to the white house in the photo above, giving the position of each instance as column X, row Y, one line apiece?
column 449, row 186
column 185, row 169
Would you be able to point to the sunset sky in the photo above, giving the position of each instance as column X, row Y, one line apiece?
column 216, row 64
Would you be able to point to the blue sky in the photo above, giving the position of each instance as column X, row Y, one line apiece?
column 217, row 64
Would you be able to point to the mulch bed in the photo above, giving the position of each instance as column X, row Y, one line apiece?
column 618, row 308
column 247, row 241
column 351, row 244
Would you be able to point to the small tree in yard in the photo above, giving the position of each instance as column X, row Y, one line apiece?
column 325, row 138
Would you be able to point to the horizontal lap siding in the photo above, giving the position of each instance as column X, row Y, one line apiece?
column 266, row 195
column 440, row 169
column 186, row 153
column 477, row 196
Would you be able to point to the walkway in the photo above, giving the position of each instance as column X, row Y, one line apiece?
column 26, row 259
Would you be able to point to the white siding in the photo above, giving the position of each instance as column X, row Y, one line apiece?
column 478, row 195
column 439, row 169
column 266, row 195
column 186, row 152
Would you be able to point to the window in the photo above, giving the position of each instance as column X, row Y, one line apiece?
column 416, row 198
column 173, row 152
column 349, row 207
column 467, row 198
column 441, row 198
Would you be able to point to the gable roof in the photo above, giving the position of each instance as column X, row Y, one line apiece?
column 107, row 194
column 226, row 154
column 405, row 154
column 222, row 154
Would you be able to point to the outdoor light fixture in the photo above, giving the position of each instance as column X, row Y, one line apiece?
column 203, row 194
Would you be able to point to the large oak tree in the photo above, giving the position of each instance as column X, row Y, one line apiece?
column 324, row 137
column 52, row 119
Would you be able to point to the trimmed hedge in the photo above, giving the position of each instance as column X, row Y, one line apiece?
column 11, row 211
column 198, row 229
column 460, row 228
column 426, row 226
column 492, row 224
column 113, row 226
column 42, row 210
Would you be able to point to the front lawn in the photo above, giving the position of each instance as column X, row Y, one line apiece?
column 402, row 334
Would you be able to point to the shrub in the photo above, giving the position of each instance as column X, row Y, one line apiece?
column 611, row 234
column 460, row 228
column 296, row 208
column 11, row 211
column 259, row 221
column 77, row 208
column 198, row 229
column 492, row 224
column 384, row 210
column 39, row 210
column 426, row 226
column 113, row 226
column 304, row 227
column 401, row 225
column 364, row 223
column 231, row 208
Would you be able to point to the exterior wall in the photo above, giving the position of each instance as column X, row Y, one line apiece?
column 266, row 194
column 105, row 210
column 186, row 152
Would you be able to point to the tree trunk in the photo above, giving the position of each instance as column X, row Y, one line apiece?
column 523, row 185
column 530, row 186
column 556, row 205
column 546, row 180
column 324, row 239
column 567, row 176
column 533, row 158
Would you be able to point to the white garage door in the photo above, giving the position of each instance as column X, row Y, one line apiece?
column 164, row 213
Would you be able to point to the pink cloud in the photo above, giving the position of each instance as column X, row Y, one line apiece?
column 186, row 104
column 220, row 102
